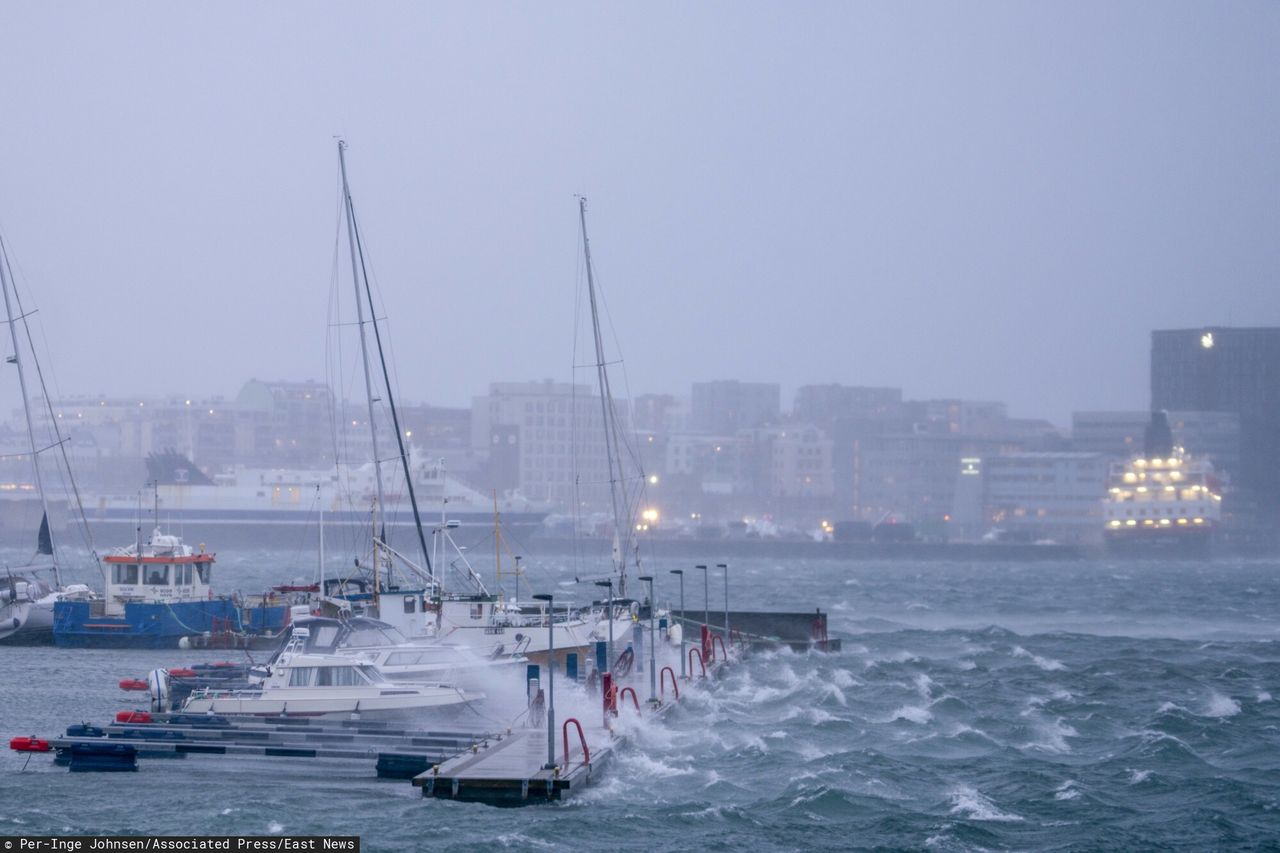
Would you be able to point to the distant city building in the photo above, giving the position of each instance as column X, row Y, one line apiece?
column 1047, row 495
column 797, row 467
column 904, row 465
column 291, row 423
column 1118, row 435
column 554, row 430
column 1224, row 369
column 726, row 406
column 660, row 414
column 823, row 404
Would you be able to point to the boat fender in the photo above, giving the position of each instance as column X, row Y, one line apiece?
column 133, row 684
column 182, row 672
column 133, row 717
column 158, row 682
column 29, row 744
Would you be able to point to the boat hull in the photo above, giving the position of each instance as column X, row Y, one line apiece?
column 395, row 700
column 26, row 623
column 1167, row 544
column 159, row 625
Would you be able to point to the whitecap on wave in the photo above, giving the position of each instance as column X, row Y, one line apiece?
column 1047, row 664
column 1221, row 706
column 1066, row 791
column 970, row 803
column 912, row 714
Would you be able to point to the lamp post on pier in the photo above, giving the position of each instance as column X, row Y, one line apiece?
column 551, row 680
column 653, row 650
column 724, row 567
column 608, row 664
column 680, row 572
column 706, row 597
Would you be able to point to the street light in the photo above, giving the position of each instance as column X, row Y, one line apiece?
column 653, row 663
column 608, row 664
column 551, row 681
column 724, row 567
column 680, row 572
column 706, row 598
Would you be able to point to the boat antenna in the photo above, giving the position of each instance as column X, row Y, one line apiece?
column 608, row 418
column 16, row 360
column 358, row 250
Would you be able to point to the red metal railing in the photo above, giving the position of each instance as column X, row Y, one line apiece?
column 694, row 650
column 715, row 638
column 635, row 700
column 663, row 683
column 582, row 738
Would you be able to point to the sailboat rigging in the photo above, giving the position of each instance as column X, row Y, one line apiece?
column 359, row 276
column 26, row 606
column 613, row 442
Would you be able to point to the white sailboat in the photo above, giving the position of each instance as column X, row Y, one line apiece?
column 410, row 594
column 29, row 592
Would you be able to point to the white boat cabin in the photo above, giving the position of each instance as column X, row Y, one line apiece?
column 166, row 571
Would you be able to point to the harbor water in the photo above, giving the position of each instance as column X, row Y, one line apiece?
column 1048, row 706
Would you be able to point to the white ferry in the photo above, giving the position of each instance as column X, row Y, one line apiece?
column 1165, row 500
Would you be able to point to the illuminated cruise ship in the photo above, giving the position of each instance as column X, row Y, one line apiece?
column 1165, row 500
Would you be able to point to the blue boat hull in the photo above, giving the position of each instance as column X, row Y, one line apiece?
column 160, row 625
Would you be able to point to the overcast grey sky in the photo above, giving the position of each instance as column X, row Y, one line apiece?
column 993, row 201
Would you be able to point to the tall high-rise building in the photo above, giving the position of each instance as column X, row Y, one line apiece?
column 1222, row 369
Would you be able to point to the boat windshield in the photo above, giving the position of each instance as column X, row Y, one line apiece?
column 323, row 637
column 375, row 635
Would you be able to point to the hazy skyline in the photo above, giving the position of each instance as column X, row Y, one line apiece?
column 965, row 200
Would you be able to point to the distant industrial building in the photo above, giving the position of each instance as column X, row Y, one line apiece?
column 1224, row 369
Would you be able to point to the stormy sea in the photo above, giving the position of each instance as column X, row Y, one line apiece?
column 1046, row 706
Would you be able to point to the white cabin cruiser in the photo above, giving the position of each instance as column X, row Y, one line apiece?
column 299, row 683
column 394, row 656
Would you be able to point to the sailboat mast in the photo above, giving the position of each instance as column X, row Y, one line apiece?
column 354, row 231
column 26, row 407
column 364, row 347
column 606, row 402
column 320, row 566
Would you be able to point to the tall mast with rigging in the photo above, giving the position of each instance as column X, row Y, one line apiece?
column 358, row 274
column 613, row 456
column 364, row 347
column 16, row 360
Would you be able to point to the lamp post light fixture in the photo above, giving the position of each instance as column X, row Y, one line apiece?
column 551, row 681
column 653, row 650
column 608, row 664
column 680, row 572
column 706, row 598
column 724, row 567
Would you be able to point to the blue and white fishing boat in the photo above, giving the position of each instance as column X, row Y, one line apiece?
column 157, row 593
